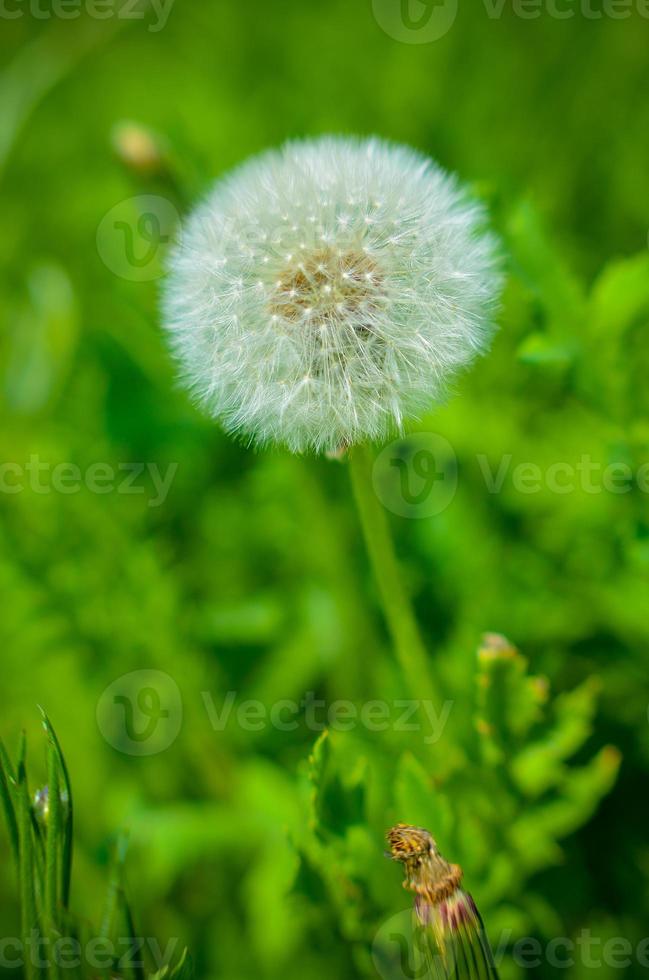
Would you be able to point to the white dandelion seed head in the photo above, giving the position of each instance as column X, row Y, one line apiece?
column 328, row 291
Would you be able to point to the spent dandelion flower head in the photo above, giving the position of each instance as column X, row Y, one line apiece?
column 328, row 291
column 451, row 936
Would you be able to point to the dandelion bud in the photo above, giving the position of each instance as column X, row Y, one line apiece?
column 495, row 646
column 138, row 148
column 328, row 291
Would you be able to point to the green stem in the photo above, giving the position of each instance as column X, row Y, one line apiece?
column 408, row 644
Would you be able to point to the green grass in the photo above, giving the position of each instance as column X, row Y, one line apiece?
column 53, row 943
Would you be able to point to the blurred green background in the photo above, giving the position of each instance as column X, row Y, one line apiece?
column 250, row 576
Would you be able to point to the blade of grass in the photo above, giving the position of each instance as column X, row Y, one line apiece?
column 29, row 913
column 111, row 904
column 53, row 854
column 53, row 840
column 22, row 758
column 185, row 968
column 133, row 968
column 118, row 923
column 39, row 858
column 67, row 819
column 6, row 763
column 7, row 792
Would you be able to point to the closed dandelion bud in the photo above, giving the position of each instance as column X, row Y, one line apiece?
column 138, row 148
column 450, row 939
column 495, row 646
column 326, row 292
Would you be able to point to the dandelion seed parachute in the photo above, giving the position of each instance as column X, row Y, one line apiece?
column 328, row 291
column 450, row 939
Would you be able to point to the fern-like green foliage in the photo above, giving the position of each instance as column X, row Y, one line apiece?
column 499, row 805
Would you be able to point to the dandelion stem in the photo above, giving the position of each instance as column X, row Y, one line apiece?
column 397, row 607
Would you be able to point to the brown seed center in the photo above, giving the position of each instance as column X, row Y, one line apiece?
column 327, row 285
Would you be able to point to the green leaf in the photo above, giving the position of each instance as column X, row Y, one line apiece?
column 536, row 832
column 184, row 970
column 42, row 342
column 538, row 766
column 66, row 822
column 539, row 349
column 618, row 328
column 508, row 698
column 538, row 262
column 7, row 798
column 317, row 765
column 54, row 837
column 111, row 903
column 30, row 922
